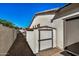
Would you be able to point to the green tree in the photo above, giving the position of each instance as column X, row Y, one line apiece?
column 7, row 23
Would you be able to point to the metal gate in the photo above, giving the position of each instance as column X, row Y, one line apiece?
column 45, row 40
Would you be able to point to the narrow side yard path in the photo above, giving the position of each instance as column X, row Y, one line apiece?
column 20, row 47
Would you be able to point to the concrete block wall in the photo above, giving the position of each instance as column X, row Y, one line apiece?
column 7, row 37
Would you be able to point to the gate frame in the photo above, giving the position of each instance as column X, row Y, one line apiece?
column 47, row 28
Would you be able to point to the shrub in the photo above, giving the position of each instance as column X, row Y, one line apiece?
column 7, row 23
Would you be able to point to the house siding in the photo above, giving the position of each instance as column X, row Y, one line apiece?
column 43, row 20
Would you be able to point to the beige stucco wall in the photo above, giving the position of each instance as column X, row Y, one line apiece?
column 7, row 37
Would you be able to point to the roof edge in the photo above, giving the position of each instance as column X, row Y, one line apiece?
column 43, row 13
column 61, row 9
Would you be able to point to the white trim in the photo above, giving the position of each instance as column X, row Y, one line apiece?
column 47, row 10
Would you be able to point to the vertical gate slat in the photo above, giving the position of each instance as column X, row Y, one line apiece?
column 39, row 40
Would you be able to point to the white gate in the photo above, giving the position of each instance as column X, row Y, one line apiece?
column 45, row 38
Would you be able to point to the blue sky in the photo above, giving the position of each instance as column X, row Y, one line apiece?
column 21, row 14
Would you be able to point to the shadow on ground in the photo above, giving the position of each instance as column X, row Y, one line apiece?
column 20, row 47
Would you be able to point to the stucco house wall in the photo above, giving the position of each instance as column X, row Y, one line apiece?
column 43, row 20
column 58, row 24
column 59, row 21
